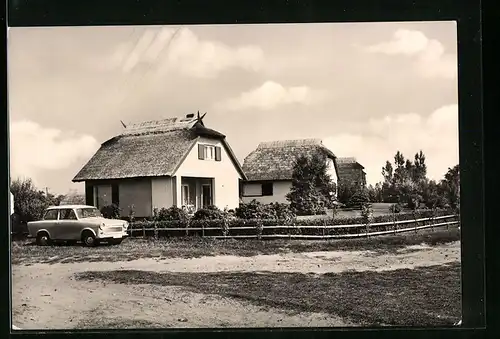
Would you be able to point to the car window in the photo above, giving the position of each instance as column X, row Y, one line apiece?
column 67, row 214
column 50, row 215
column 88, row 213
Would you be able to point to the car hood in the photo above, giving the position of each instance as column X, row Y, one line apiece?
column 107, row 222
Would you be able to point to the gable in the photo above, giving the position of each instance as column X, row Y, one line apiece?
column 194, row 163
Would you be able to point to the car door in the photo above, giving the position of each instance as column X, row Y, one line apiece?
column 49, row 222
column 68, row 226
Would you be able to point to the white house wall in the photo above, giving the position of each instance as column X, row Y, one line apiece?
column 162, row 192
column 11, row 203
column 225, row 175
column 332, row 171
column 280, row 190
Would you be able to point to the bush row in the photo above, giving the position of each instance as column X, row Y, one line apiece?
column 251, row 210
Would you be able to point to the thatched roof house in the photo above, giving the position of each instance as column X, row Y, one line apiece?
column 269, row 168
column 351, row 171
column 175, row 161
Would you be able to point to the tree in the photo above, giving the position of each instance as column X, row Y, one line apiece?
column 403, row 183
column 312, row 189
column 359, row 198
column 431, row 194
column 29, row 202
column 374, row 193
column 345, row 192
column 450, row 186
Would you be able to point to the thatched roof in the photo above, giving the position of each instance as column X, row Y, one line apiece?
column 149, row 149
column 275, row 160
column 349, row 162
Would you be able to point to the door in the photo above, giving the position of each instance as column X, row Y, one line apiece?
column 68, row 227
column 206, row 195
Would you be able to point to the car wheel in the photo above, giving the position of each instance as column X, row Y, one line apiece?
column 89, row 239
column 43, row 239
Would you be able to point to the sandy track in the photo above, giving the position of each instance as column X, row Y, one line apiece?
column 47, row 297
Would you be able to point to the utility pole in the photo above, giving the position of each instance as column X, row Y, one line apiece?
column 47, row 191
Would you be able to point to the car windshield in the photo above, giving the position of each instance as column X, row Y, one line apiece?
column 87, row 213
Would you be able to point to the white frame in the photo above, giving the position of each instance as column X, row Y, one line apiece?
column 184, row 201
column 209, row 155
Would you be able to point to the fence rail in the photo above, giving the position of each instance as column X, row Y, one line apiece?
column 368, row 230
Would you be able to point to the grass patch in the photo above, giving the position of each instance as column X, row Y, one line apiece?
column 28, row 253
column 118, row 323
column 426, row 296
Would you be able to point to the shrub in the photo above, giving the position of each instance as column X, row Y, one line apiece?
column 257, row 210
column 111, row 211
column 29, row 202
column 358, row 199
column 209, row 213
column 250, row 210
column 172, row 214
column 281, row 211
column 395, row 208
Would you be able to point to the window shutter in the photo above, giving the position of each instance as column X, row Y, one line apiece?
column 200, row 152
column 217, row 153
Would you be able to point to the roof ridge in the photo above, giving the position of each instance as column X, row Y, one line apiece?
column 290, row 143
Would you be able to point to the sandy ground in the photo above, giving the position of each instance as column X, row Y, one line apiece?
column 47, row 297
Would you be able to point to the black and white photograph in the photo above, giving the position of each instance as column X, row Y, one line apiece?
column 234, row 176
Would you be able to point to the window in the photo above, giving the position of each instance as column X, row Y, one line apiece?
column 209, row 152
column 267, row 189
column 88, row 213
column 67, row 214
column 50, row 215
column 185, row 195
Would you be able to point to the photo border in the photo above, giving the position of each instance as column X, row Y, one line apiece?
column 136, row 12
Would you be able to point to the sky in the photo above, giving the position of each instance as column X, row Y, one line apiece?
column 366, row 89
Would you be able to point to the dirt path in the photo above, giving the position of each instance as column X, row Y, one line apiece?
column 47, row 297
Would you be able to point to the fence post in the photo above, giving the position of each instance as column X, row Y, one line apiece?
column 394, row 222
column 202, row 230
column 416, row 223
column 143, row 231
column 324, row 228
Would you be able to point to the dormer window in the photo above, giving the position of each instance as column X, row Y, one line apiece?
column 209, row 152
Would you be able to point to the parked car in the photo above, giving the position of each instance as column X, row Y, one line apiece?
column 73, row 223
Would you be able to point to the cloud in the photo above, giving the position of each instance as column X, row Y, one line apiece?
column 436, row 135
column 431, row 60
column 271, row 95
column 34, row 148
column 180, row 50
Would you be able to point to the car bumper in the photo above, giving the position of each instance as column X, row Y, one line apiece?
column 112, row 235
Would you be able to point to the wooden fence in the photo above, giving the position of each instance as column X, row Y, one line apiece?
column 295, row 232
